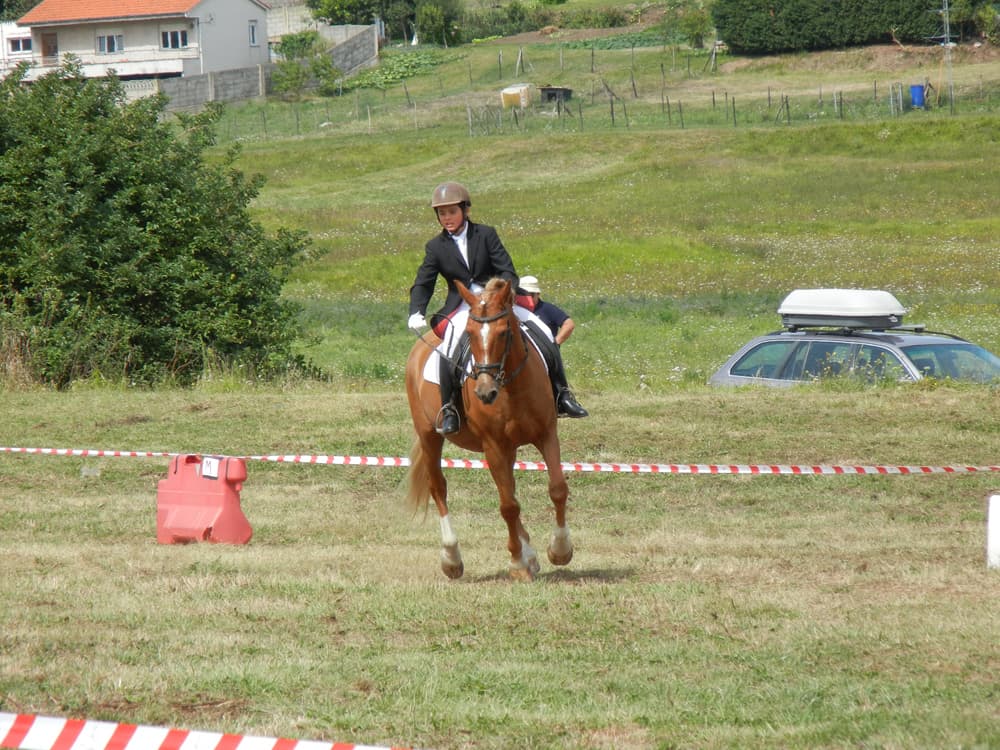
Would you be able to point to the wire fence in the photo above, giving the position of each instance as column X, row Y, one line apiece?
column 656, row 92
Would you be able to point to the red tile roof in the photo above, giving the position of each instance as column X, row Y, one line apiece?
column 64, row 11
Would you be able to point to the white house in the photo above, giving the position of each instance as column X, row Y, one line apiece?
column 141, row 39
column 15, row 46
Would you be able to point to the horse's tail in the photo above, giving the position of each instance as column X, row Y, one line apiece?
column 419, row 493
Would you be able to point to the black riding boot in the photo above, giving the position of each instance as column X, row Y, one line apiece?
column 566, row 403
column 447, row 420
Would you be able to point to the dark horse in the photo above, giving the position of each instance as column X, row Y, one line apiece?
column 506, row 402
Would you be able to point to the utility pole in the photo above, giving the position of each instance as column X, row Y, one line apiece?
column 946, row 36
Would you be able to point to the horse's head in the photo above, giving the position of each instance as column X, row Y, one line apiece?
column 492, row 328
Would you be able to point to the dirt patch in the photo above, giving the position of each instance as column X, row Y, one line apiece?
column 876, row 58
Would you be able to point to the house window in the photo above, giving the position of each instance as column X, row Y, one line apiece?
column 253, row 34
column 174, row 39
column 107, row 43
column 22, row 44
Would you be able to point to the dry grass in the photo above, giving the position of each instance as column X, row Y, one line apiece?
column 715, row 612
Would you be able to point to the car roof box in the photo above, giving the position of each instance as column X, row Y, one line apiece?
column 841, row 308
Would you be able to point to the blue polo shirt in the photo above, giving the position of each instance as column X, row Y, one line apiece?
column 551, row 315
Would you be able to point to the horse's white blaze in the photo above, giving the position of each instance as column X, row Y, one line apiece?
column 448, row 538
column 484, row 334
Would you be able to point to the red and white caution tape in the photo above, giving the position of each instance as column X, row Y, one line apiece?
column 613, row 468
column 88, row 453
column 617, row 468
column 29, row 732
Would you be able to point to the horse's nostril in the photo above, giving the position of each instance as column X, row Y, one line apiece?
column 487, row 393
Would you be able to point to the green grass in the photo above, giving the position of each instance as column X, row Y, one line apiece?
column 709, row 612
column 690, row 241
column 716, row 612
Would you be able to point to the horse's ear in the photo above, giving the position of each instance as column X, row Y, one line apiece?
column 468, row 296
column 509, row 292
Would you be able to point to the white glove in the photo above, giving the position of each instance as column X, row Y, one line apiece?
column 416, row 322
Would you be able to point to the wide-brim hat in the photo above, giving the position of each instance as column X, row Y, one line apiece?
column 529, row 284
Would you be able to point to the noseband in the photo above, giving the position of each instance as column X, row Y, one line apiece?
column 496, row 369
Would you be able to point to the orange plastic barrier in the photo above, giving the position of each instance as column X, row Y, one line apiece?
column 199, row 501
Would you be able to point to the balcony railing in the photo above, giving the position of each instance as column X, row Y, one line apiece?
column 150, row 61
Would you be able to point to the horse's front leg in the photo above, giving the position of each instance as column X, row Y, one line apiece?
column 560, row 549
column 451, row 555
column 523, row 559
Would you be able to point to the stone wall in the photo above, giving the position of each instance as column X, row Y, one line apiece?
column 355, row 53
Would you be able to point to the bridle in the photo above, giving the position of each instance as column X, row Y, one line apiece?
column 496, row 369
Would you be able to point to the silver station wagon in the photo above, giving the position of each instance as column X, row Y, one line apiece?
column 855, row 333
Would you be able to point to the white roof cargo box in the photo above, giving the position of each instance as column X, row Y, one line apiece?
column 841, row 308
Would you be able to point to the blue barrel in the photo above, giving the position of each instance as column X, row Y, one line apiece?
column 917, row 96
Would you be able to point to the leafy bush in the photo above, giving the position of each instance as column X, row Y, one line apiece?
column 123, row 253
column 759, row 26
column 594, row 18
column 517, row 17
column 647, row 38
column 395, row 66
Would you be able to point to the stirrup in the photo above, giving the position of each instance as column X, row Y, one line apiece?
column 568, row 406
column 447, row 421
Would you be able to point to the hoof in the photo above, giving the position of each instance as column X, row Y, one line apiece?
column 560, row 557
column 522, row 574
column 451, row 561
column 533, row 565
column 560, row 548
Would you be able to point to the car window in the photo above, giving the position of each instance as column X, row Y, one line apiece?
column 959, row 361
column 878, row 363
column 820, row 359
column 763, row 361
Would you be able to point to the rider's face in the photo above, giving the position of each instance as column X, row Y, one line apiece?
column 450, row 217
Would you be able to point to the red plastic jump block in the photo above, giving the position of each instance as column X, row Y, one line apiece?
column 199, row 501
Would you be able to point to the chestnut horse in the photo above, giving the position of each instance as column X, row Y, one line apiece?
column 506, row 403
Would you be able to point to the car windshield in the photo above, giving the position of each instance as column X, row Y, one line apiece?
column 958, row 361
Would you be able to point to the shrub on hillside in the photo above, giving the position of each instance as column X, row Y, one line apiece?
column 769, row 26
column 124, row 252
column 517, row 18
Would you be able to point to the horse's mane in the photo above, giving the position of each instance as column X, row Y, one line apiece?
column 492, row 288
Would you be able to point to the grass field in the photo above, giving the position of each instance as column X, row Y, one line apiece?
column 713, row 612
column 698, row 612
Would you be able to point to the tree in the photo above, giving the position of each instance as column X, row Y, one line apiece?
column 438, row 21
column 11, row 10
column 346, row 11
column 695, row 23
column 124, row 251
column 304, row 57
